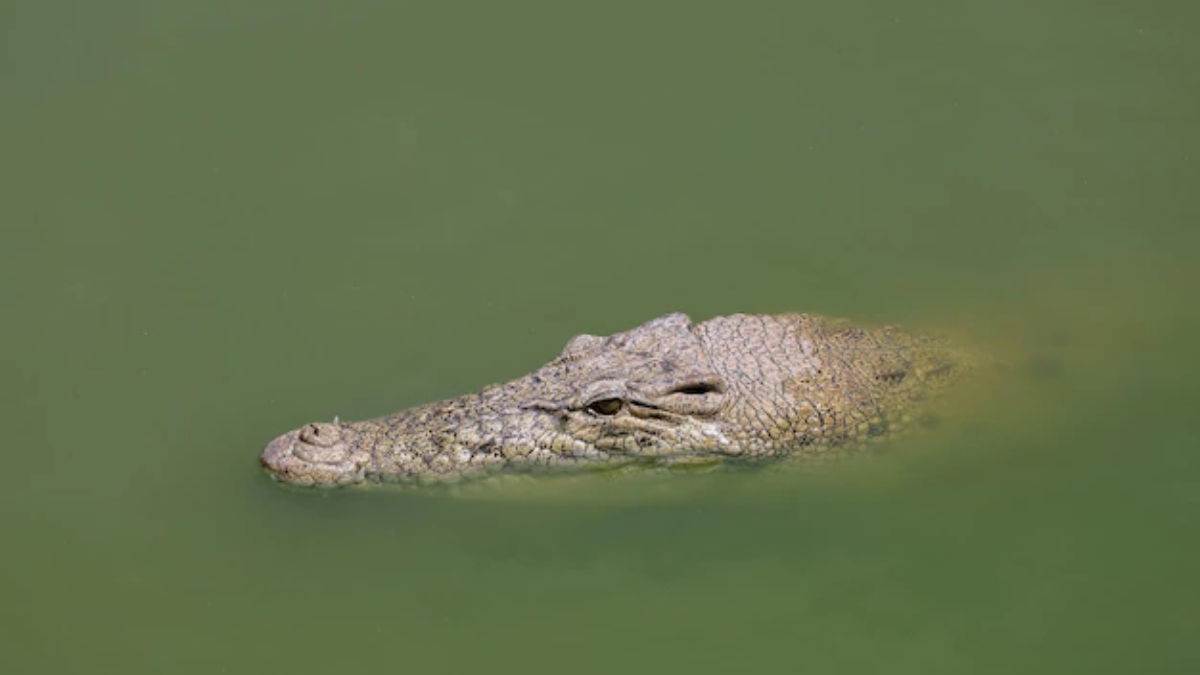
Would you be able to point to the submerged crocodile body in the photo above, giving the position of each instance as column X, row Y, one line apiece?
column 667, row 392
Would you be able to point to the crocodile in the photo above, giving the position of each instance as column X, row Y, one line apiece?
column 668, row 393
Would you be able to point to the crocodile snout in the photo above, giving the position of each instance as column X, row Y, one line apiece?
column 317, row 454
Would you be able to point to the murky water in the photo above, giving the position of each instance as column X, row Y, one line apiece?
column 222, row 220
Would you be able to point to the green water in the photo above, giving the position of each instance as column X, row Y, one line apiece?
column 222, row 220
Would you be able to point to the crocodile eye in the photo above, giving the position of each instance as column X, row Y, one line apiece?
column 606, row 406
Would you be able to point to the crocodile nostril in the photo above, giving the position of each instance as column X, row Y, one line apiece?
column 320, row 434
column 321, row 443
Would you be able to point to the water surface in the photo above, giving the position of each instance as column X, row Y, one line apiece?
column 223, row 220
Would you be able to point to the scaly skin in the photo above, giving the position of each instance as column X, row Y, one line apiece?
column 666, row 392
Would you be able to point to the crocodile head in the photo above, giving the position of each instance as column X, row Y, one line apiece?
column 646, row 395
